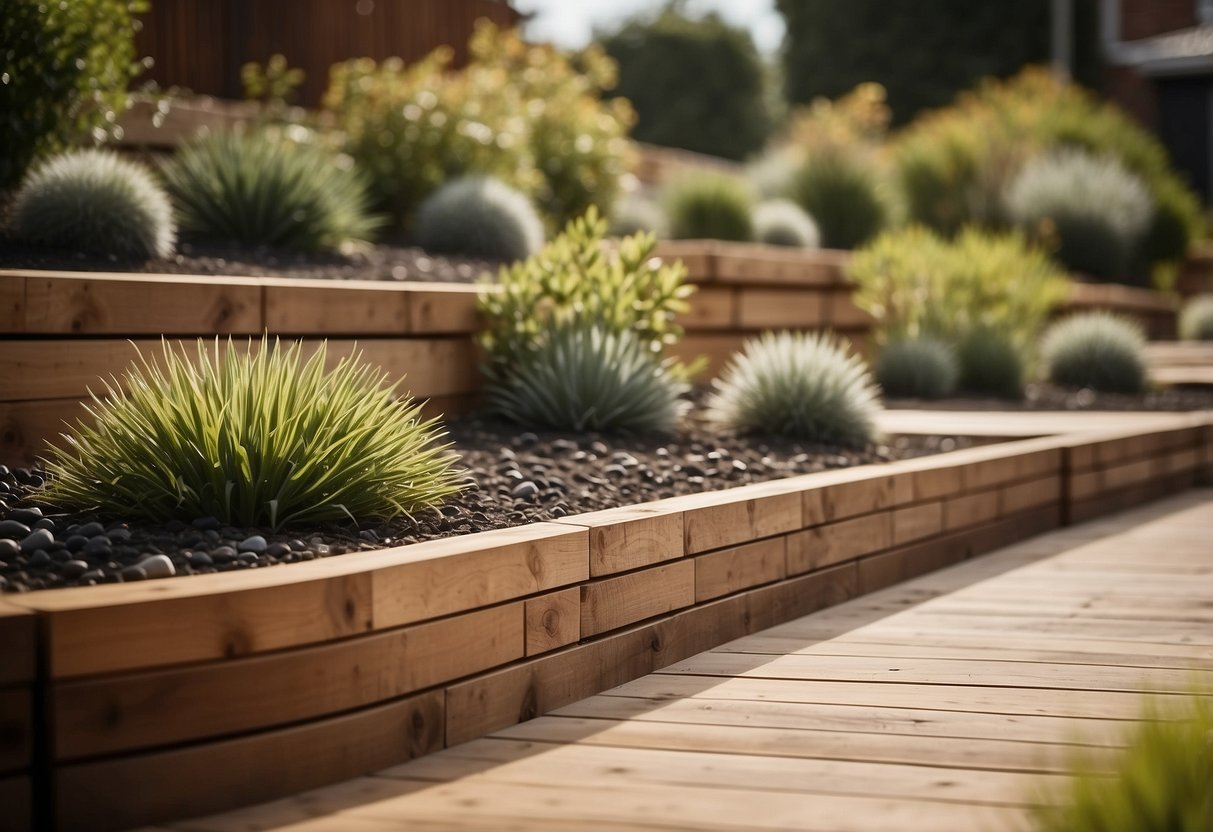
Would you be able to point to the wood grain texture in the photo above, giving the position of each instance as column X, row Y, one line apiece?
column 760, row 309
column 834, row 543
column 630, row 537
column 553, row 620
column 730, row 570
column 611, row 603
column 18, row 637
column 12, row 304
column 714, row 521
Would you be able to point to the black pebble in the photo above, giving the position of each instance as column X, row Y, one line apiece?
column 208, row 524
column 13, row 529
column 28, row 516
column 91, row 529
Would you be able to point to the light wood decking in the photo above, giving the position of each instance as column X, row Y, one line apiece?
column 939, row 704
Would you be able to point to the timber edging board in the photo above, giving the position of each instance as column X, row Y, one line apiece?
column 172, row 698
column 64, row 331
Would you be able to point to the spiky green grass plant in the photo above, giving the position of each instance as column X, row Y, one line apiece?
column 256, row 436
column 1161, row 781
column 922, row 368
column 1196, row 319
column 589, row 378
column 94, row 201
column 262, row 188
column 479, row 216
column 1096, row 350
column 709, row 206
column 781, row 222
column 991, row 364
column 802, row 385
column 842, row 195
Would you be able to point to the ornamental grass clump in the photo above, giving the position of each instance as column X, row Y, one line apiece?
column 263, row 188
column 922, row 368
column 991, row 364
column 1097, row 351
column 842, row 196
column 479, row 216
column 802, row 385
column 1159, row 780
column 1093, row 210
column 781, row 222
column 263, row 436
column 1196, row 319
column 710, row 206
column 96, row 202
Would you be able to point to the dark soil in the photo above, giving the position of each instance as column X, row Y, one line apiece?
column 520, row 477
column 385, row 261
column 1048, row 397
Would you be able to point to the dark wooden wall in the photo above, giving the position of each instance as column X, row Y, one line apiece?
column 201, row 44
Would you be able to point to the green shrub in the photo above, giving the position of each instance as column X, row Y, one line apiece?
column 589, row 378
column 1096, row 350
column 697, row 84
column 1196, row 319
column 709, row 206
column 920, row 369
column 991, row 364
column 263, row 189
column 802, row 385
column 918, row 284
column 781, row 222
column 770, row 175
column 634, row 214
column 481, row 217
column 574, row 281
column 1160, row 779
column 94, row 201
column 67, row 66
column 842, row 197
column 1176, row 221
column 1096, row 210
column 262, row 436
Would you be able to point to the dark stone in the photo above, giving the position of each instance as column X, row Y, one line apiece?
column 46, row 523
column 76, row 542
column 158, row 566
column 99, row 546
column 277, row 550
column 119, row 534
column 93, row 576
column 13, row 529
column 73, row 569
column 197, row 559
column 28, row 516
column 525, row 491
column 223, row 554
column 207, row 524
column 255, row 544
column 37, row 539
column 133, row 573
column 90, row 529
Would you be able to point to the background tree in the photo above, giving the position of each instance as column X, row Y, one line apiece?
column 923, row 51
column 696, row 83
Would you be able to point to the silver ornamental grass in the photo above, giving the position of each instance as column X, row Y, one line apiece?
column 781, row 222
column 802, row 385
column 1196, row 319
column 922, row 368
column 479, row 216
column 97, row 202
column 1098, row 350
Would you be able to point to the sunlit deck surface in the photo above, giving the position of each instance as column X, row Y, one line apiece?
column 945, row 703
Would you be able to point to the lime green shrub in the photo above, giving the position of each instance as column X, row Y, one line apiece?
column 1160, row 781
column 1096, row 350
column 263, row 436
column 922, row 368
column 481, row 217
column 841, row 193
column 1196, row 319
column 781, row 222
column 96, row 202
column 67, row 66
column 265, row 189
column 802, row 385
column 709, row 206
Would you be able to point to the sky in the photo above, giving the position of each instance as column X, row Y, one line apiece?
column 570, row 23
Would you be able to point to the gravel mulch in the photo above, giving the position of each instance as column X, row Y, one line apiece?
column 521, row 478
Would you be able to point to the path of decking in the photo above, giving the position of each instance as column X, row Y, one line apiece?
column 939, row 704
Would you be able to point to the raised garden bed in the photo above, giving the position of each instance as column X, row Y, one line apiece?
column 1156, row 312
column 1196, row 272
column 173, row 698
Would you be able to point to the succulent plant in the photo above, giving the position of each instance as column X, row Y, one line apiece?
column 479, row 216
column 781, row 222
column 923, row 368
column 1196, row 319
column 709, row 206
column 802, row 385
column 1096, row 350
column 97, row 202
column 579, row 378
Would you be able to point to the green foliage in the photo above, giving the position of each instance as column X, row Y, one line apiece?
column 991, row 364
column 1160, row 781
column 574, row 282
column 695, row 83
column 634, row 214
column 265, row 189
column 922, row 52
column 709, row 206
column 274, row 84
column 802, row 385
column 527, row 115
column 1177, row 220
column 923, row 368
column 1096, row 350
column 1196, row 319
column 262, row 436
column 480, row 217
column 841, row 194
column 781, row 222
column 917, row 284
column 97, row 202
column 67, row 65
column 579, row 378
column 1093, row 208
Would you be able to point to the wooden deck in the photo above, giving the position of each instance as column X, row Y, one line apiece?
column 938, row 704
